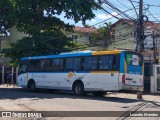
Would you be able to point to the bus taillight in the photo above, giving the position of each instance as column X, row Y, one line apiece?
column 123, row 79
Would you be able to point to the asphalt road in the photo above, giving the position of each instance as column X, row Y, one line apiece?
column 18, row 99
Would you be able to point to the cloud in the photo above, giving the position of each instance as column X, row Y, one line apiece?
column 93, row 21
column 105, row 16
column 101, row 16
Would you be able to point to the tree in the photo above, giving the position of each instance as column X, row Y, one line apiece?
column 39, row 19
column 6, row 17
column 33, row 16
column 43, row 44
column 103, row 35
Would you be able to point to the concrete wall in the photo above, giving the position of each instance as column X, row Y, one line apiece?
column 82, row 38
column 123, row 37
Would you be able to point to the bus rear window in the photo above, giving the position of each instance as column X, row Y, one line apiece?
column 134, row 59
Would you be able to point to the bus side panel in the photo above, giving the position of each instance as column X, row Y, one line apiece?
column 102, row 82
column 107, row 81
column 51, row 80
column 22, row 80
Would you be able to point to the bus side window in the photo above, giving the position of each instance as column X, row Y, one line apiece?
column 95, row 63
column 116, row 62
column 82, row 63
column 103, row 63
column 49, row 65
column 55, row 64
column 43, row 65
column 61, row 64
column 69, row 64
column 77, row 64
column 110, row 62
column 23, row 68
column 34, row 65
column 87, row 63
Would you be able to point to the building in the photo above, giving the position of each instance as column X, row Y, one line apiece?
column 123, row 31
column 82, row 35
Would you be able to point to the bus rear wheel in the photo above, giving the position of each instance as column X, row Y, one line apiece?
column 78, row 89
column 32, row 86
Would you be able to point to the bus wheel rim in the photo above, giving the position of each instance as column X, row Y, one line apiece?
column 78, row 89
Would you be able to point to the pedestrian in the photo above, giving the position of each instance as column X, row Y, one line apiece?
column 9, row 78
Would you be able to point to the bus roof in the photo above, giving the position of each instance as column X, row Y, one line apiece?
column 74, row 54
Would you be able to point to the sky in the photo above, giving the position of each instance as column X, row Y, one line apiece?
column 123, row 5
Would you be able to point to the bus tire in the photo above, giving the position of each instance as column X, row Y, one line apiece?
column 78, row 89
column 99, row 93
column 32, row 86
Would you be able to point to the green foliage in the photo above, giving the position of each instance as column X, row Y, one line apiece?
column 43, row 44
column 6, row 16
column 103, row 35
column 14, row 63
column 30, row 17
column 39, row 19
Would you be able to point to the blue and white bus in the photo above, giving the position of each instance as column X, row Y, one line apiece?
column 83, row 71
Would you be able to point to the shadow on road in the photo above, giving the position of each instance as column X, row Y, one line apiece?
column 18, row 93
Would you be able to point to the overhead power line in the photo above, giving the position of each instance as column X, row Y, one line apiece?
column 112, row 17
column 118, row 10
column 153, row 16
column 134, row 7
column 123, row 4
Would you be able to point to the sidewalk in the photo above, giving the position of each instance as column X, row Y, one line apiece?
column 8, row 86
column 146, row 97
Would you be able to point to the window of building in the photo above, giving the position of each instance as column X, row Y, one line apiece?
column 74, row 36
column 123, row 23
column 90, row 39
column 120, row 33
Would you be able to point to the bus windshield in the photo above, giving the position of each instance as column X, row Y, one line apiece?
column 134, row 59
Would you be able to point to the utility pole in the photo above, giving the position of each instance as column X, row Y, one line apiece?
column 140, row 33
column 140, row 29
column 154, row 47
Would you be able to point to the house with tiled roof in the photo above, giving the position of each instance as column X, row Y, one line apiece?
column 82, row 35
column 123, row 34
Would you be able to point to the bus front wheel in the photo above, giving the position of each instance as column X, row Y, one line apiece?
column 78, row 89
